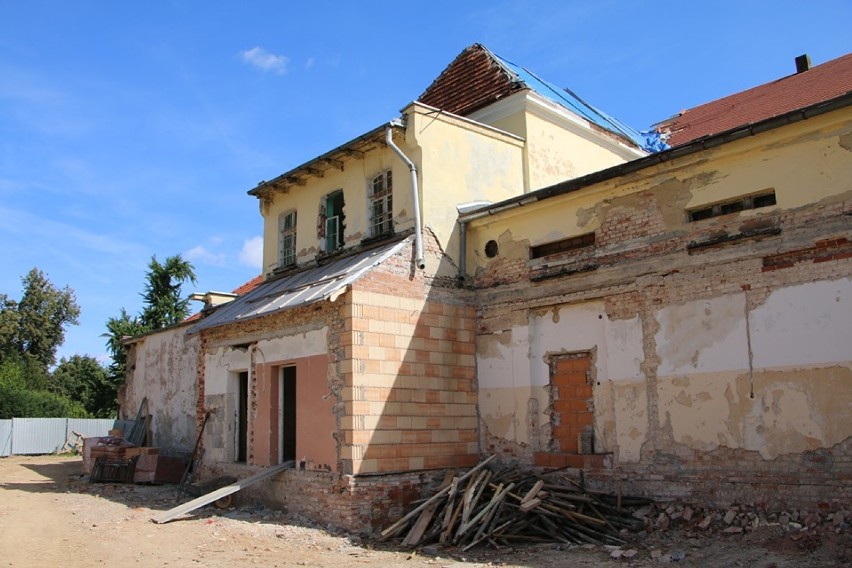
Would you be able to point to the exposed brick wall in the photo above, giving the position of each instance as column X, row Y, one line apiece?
column 278, row 324
column 410, row 401
column 363, row 504
column 727, row 476
column 401, row 366
column 638, row 270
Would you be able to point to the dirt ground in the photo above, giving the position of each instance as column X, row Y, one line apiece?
column 51, row 516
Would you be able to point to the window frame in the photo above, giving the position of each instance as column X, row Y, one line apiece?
column 380, row 204
column 585, row 241
column 287, row 252
column 754, row 201
column 326, row 221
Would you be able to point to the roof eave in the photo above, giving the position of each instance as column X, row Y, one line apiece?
column 332, row 158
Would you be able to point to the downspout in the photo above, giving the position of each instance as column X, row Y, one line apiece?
column 462, row 251
column 418, row 239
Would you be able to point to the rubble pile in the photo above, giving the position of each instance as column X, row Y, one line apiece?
column 739, row 519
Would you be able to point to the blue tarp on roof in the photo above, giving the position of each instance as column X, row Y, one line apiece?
column 564, row 97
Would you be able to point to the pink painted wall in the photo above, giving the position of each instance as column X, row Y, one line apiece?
column 315, row 420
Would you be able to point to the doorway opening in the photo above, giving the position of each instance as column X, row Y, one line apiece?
column 242, row 416
column 287, row 415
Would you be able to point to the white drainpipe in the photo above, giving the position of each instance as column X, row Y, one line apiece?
column 418, row 239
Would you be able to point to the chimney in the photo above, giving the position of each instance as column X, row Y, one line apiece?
column 803, row 63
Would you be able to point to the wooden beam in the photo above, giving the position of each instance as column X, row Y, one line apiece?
column 198, row 502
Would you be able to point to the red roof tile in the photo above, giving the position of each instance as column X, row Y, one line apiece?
column 473, row 80
column 248, row 286
column 820, row 83
column 239, row 291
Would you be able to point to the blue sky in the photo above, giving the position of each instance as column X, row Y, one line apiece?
column 132, row 129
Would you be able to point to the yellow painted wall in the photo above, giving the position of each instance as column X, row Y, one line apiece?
column 457, row 161
column 806, row 162
column 353, row 181
column 559, row 145
column 460, row 162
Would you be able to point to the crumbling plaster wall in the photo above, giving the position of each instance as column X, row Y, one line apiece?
column 558, row 144
column 771, row 378
column 514, row 374
column 162, row 367
column 260, row 346
column 739, row 325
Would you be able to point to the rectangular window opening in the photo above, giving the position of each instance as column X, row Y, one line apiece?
column 332, row 221
column 763, row 199
column 565, row 245
column 380, row 193
column 287, row 238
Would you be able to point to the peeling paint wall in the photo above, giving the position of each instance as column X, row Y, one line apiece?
column 798, row 384
column 352, row 179
column 261, row 358
column 559, row 145
column 721, row 348
column 514, row 373
column 162, row 367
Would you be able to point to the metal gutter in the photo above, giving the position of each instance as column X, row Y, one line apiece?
column 693, row 147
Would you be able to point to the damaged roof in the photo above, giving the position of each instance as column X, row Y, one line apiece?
column 299, row 288
column 477, row 77
column 802, row 89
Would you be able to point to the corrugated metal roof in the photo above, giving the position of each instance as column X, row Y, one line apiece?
column 299, row 289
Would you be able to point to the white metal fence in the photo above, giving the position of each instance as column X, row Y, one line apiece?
column 27, row 436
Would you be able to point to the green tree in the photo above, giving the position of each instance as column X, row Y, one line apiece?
column 119, row 328
column 83, row 379
column 8, row 327
column 163, row 303
column 42, row 315
column 19, row 400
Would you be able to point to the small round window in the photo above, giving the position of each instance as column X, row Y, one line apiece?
column 491, row 249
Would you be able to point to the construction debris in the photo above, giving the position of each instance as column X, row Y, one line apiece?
column 507, row 507
column 220, row 493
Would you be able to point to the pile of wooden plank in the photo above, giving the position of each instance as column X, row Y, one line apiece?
column 505, row 507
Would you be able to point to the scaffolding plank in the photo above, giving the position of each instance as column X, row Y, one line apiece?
column 198, row 502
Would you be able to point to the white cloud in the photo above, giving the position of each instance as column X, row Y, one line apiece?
column 309, row 63
column 252, row 253
column 204, row 256
column 262, row 59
